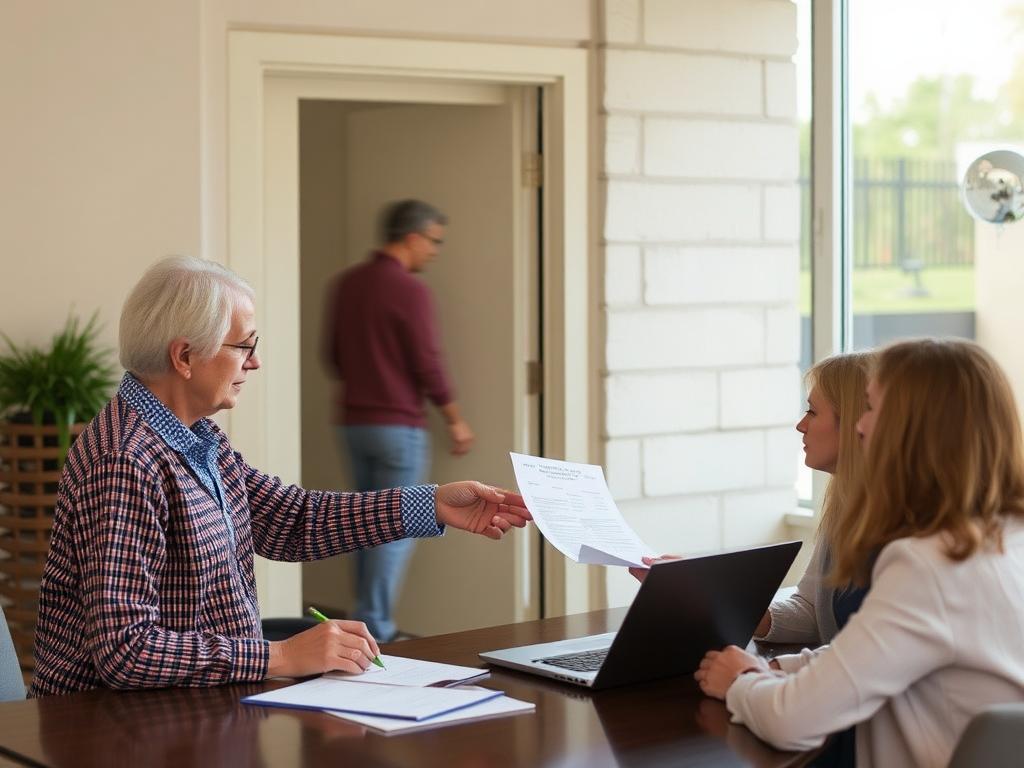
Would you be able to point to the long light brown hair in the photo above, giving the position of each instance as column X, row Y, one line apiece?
column 945, row 456
column 840, row 380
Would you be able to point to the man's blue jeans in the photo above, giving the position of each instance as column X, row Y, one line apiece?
column 383, row 456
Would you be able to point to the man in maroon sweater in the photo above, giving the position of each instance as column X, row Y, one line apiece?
column 382, row 343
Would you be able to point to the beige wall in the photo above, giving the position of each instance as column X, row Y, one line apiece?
column 113, row 139
column 566, row 22
column 323, row 235
column 999, row 284
column 99, row 154
column 112, row 144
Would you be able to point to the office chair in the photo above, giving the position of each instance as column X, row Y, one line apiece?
column 994, row 738
column 12, row 687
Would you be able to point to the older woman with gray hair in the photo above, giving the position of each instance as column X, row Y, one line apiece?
column 149, row 580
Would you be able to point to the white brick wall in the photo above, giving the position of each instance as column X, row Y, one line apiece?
column 713, row 149
column 657, row 211
column 622, row 144
column 782, row 213
column 698, row 338
column 682, row 83
column 739, row 26
column 622, row 21
column 683, row 525
column 658, row 403
column 623, row 275
column 679, row 526
column 701, row 232
column 782, row 452
column 720, row 275
column 760, row 397
column 700, row 463
column 623, row 469
column 779, row 89
column 755, row 518
column 782, row 335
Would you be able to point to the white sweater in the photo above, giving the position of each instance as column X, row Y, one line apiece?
column 934, row 643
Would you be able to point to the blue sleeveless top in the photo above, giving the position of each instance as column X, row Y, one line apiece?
column 841, row 749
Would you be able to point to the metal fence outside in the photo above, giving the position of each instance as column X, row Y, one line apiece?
column 906, row 214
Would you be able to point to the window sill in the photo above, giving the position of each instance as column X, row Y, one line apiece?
column 803, row 519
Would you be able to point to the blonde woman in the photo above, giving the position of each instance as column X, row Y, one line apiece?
column 835, row 402
column 939, row 535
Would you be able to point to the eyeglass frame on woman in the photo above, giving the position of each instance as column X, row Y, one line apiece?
column 250, row 347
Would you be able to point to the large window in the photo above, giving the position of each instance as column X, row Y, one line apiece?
column 931, row 86
column 906, row 94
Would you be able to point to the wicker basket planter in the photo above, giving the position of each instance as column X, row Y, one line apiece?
column 29, row 474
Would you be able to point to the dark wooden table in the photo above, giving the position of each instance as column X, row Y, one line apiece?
column 667, row 722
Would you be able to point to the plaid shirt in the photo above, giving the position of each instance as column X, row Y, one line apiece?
column 149, row 579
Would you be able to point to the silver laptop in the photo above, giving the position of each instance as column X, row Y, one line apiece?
column 684, row 608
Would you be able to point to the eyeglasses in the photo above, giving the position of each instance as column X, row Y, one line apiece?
column 438, row 241
column 250, row 348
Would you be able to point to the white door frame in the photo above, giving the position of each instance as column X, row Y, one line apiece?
column 266, row 425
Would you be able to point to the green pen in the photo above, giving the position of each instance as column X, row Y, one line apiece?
column 320, row 617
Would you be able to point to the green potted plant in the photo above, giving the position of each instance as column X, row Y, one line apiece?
column 69, row 383
column 46, row 395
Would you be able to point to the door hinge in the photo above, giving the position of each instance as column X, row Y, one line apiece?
column 533, row 170
column 534, row 377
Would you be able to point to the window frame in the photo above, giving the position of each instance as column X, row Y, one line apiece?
column 830, row 175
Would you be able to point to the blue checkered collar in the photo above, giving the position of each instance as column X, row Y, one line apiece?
column 163, row 421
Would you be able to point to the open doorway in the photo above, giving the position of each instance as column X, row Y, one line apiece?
column 269, row 73
column 473, row 161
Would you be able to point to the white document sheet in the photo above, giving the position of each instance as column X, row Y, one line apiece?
column 405, row 702
column 499, row 707
column 573, row 508
column 402, row 671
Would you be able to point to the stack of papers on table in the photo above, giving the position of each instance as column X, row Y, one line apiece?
column 496, row 707
column 398, row 701
column 399, row 670
column 408, row 694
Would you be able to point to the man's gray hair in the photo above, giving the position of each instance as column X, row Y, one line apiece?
column 407, row 217
column 178, row 297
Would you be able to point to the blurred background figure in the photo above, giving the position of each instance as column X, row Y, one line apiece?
column 381, row 342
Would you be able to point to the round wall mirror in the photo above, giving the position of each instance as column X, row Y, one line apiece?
column 993, row 187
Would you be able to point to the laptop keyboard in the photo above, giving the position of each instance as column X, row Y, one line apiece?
column 584, row 661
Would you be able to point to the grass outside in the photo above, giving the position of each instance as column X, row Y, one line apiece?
column 891, row 291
